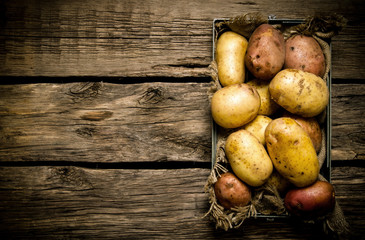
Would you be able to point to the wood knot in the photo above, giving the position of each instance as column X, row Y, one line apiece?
column 72, row 176
column 85, row 90
column 152, row 95
column 86, row 132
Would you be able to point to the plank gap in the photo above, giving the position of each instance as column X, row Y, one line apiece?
column 347, row 81
column 348, row 163
column 121, row 165
column 117, row 80
column 7, row 80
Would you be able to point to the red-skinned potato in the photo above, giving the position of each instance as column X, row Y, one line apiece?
column 304, row 53
column 315, row 200
column 265, row 54
column 232, row 192
column 311, row 126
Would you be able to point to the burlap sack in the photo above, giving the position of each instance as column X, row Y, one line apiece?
column 266, row 200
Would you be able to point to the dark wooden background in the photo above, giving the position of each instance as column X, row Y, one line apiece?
column 105, row 128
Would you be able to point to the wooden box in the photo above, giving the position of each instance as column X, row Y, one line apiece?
column 325, row 170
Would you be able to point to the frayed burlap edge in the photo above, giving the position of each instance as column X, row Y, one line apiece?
column 321, row 28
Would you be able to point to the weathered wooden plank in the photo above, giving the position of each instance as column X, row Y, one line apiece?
column 74, row 202
column 348, row 182
column 95, row 122
column 348, row 124
column 147, row 38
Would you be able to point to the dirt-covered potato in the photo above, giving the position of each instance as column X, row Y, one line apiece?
column 235, row 105
column 299, row 92
column 292, row 152
column 248, row 158
column 230, row 55
column 304, row 53
column 265, row 52
column 268, row 106
column 311, row 126
column 231, row 192
column 313, row 201
column 258, row 126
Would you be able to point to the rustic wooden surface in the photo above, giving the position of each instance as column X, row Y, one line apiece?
column 74, row 202
column 105, row 130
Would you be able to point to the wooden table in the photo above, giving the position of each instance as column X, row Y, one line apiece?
column 105, row 126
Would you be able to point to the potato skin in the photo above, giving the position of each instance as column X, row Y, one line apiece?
column 313, row 201
column 235, row 105
column 248, row 158
column 299, row 92
column 268, row 106
column 304, row 53
column 292, row 152
column 231, row 192
column 278, row 181
column 230, row 54
column 258, row 126
column 311, row 126
column 265, row 52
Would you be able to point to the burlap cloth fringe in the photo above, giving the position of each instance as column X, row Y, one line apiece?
column 266, row 199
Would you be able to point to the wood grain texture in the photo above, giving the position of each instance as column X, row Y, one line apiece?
column 147, row 38
column 154, row 122
column 348, row 124
column 96, row 122
column 73, row 203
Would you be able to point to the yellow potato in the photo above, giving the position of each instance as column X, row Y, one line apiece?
column 230, row 54
column 299, row 92
column 257, row 127
column 311, row 126
column 292, row 152
column 282, row 184
column 235, row 105
column 248, row 158
column 268, row 106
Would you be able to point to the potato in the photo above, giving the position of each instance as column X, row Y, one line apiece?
column 304, row 53
column 230, row 55
column 313, row 201
column 292, row 152
column 257, row 127
column 267, row 106
column 311, row 126
column 235, row 105
column 231, row 192
column 265, row 52
column 299, row 92
column 248, row 158
column 278, row 181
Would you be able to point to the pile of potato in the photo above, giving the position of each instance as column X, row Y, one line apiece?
column 275, row 134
